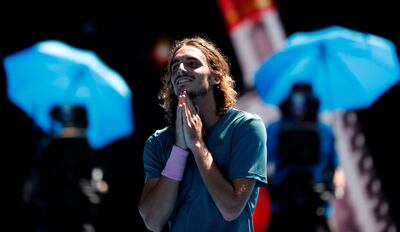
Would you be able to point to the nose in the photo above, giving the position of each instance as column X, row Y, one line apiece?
column 181, row 69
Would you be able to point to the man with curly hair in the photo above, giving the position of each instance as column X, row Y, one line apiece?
column 202, row 171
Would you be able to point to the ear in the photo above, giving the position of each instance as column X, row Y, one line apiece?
column 215, row 79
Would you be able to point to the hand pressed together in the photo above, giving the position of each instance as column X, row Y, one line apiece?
column 189, row 127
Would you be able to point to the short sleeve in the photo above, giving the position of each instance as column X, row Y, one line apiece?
column 248, row 156
column 152, row 161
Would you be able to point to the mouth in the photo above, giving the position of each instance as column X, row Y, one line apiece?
column 182, row 80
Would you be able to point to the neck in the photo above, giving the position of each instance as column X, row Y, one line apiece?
column 207, row 111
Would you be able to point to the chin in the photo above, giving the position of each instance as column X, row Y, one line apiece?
column 182, row 88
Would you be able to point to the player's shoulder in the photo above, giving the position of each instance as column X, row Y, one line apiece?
column 162, row 133
column 244, row 115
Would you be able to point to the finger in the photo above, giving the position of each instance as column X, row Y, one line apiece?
column 185, row 114
column 190, row 104
column 191, row 115
column 179, row 139
column 179, row 110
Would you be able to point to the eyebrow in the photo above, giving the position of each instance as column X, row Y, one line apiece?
column 174, row 61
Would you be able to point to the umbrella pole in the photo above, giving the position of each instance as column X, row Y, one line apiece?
column 363, row 194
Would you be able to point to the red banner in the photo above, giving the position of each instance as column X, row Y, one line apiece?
column 255, row 30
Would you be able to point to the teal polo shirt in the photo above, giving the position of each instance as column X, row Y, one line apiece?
column 237, row 143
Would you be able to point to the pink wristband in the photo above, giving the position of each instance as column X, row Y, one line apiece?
column 176, row 164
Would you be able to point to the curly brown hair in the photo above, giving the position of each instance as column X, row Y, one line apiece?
column 225, row 93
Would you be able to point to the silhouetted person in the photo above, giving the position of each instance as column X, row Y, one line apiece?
column 63, row 173
column 301, row 164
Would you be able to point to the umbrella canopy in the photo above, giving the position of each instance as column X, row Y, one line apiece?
column 347, row 69
column 53, row 73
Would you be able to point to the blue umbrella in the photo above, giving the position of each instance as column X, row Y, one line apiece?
column 347, row 69
column 53, row 73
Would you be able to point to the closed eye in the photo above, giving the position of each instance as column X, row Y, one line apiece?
column 193, row 64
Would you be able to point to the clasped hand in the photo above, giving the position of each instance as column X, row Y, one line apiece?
column 188, row 125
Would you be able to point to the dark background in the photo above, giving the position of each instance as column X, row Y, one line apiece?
column 123, row 35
